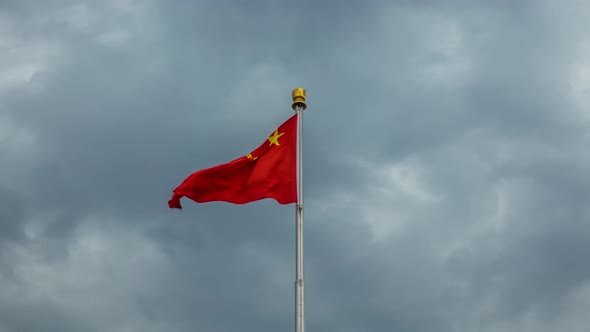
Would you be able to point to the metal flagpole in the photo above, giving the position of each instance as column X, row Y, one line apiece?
column 298, row 106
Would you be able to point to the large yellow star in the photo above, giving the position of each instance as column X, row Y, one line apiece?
column 274, row 138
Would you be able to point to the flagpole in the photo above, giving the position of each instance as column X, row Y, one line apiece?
column 298, row 106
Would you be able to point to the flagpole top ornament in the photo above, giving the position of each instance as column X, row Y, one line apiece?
column 298, row 95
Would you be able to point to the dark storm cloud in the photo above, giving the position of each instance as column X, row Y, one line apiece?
column 446, row 179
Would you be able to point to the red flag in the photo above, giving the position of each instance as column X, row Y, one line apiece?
column 267, row 172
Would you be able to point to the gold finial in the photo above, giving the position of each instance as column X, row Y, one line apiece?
column 298, row 95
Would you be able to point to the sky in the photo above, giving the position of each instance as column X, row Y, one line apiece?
column 446, row 165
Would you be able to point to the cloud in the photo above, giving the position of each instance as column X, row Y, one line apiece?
column 446, row 171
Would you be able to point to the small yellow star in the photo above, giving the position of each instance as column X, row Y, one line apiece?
column 251, row 157
column 274, row 138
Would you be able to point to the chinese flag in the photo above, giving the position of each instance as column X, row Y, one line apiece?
column 267, row 172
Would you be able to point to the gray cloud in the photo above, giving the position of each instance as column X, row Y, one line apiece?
column 446, row 172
